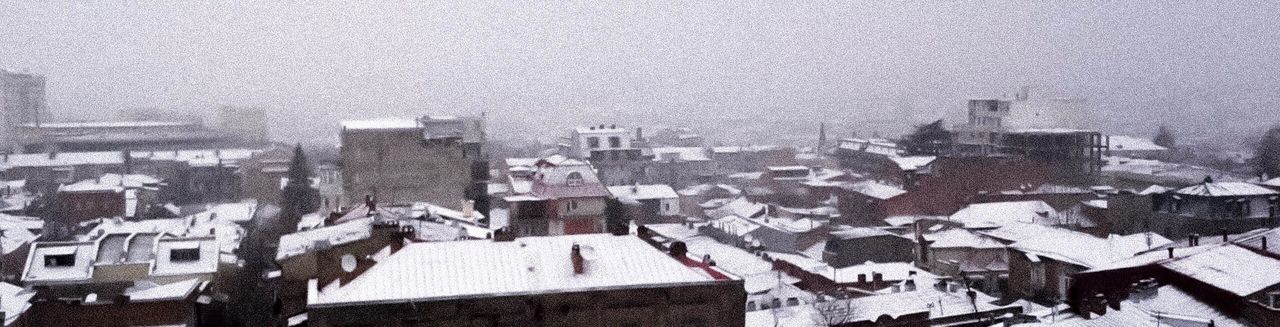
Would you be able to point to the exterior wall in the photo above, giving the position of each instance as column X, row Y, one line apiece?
column 80, row 206
column 168, row 313
column 400, row 167
column 1023, row 284
column 681, row 174
column 1211, row 216
column 843, row 253
column 21, row 101
column 249, row 125
column 260, row 175
column 553, row 217
column 717, row 304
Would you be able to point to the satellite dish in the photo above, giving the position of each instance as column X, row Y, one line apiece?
column 348, row 263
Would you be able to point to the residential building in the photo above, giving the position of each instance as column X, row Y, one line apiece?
column 653, row 203
column 682, row 166
column 570, row 280
column 555, row 196
column 110, row 195
column 618, row 159
column 144, row 278
column 401, row 161
column 1214, row 207
column 1041, row 267
column 858, row 245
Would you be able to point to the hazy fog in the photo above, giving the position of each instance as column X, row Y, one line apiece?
column 537, row 66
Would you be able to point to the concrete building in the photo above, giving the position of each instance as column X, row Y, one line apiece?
column 555, row 196
column 618, row 158
column 247, row 124
column 579, row 280
column 402, row 161
column 120, row 136
column 653, row 203
column 21, row 102
column 858, row 245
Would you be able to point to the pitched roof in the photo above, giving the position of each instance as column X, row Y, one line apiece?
column 531, row 265
column 1226, row 189
column 1087, row 250
column 996, row 214
column 644, row 192
column 875, row 189
column 1230, row 268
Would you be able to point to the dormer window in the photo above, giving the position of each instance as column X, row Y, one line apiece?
column 60, row 260
column 184, row 255
column 574, row 179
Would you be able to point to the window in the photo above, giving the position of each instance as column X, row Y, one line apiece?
column 60, row 260
column 571, row 206
column 184, row 255
column 593, row 142
column 791, row 302
column 615, row 142
column 574, row 179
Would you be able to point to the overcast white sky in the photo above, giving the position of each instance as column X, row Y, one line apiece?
column 541, row 66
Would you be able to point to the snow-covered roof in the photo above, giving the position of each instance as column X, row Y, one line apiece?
column 598, row 130
column 875, row 146
column 1169, row 300
column 530, row 265
column 680, row 154
column 295, row 244
column 704, row 188
column 148, row 291
column 62, row 159
column 912, row 162
column 1272, row 182
column 996, row 214
column 382, row 123
column 200, row 158
column 644, row 192
column 859, row 232
column 925, row 299
column 1231, row 268
column 889, row 271
column 116, row 124
column 1086, row 250
column 1157, row 172
column 14, row 301
column 961, row 238
column 1130, row 143
column 1214, row 189
column 875, row 189
column 39, row 268
column 205, row 263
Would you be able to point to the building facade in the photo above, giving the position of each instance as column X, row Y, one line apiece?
column 402, row 161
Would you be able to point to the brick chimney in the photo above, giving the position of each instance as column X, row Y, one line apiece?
column 579, row 264
column 468, row 208
column 372, row 203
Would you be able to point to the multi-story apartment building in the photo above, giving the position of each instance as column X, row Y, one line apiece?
column 402, row 161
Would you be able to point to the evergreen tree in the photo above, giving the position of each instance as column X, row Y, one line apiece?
column 615, row 215
column 298, row 197
column 1268, row 158
column 929, row 139
column 1164, row 137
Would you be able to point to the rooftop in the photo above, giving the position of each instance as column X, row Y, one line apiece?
column 531, row 265
column 1215, row 189
column 644, row 192
column 996, row 214
column 382, row 123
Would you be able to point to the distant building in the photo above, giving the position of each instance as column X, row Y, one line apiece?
column 247, row 124
column 260, row 174
column 1211, row 208
column 555, row 196
column 682, row 166
column 402, row 161
column 654, row 203
column 1134, row 147
column 1042, row 267
column 858, row 245
column 560, row 280
column 119, row 136
column 618, row 159
column 22, row 101
column 110, row 195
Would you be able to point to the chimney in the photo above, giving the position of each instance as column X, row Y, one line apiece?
column 643, row 232
column 53, row 155
column 639, row 133
column 706, row 258
column 1170, row 253
column 1264, row 243
column 679, row 249
column 909, row 286
column 601, row 126
column 613, row 126
column 1193, row 239
column 862, row 278
column 876, row 278
column 575, row 255
column 468, row 208
column 372, row 203
column 1224, row 236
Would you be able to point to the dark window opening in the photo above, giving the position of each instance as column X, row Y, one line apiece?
column 184, row 255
